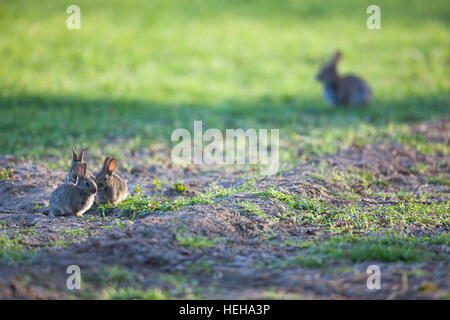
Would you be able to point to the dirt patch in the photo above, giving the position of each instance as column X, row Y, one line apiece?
column 29, row 188
column 150, row 249
column 223, row 249
column 437, row 131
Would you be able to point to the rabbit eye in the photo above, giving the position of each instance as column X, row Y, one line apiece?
column 100, row 185
column 86, row 183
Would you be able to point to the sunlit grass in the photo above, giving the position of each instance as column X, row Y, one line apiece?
column 136, row 71
column 357, row 249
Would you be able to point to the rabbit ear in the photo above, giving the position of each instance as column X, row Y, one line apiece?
column 84, row 169
column 74, row 154
column 105, row 164
column 112, row 165
column 82, row 154
column 337, row 57
column 80, row 169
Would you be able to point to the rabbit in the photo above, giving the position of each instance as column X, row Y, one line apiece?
column 71, row 176
column 343, row 90
column 111, row 187
column 74, row 199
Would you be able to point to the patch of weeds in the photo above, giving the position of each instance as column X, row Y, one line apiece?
column 130, row 293
column 61, row 243
column 339, row 270
column 274, row 294
column 75, row 232
column 22, row 233
column 369, row 179
column 428, row 287
column 37, row 206
column 293, row 202
column 424, row 146
column 418, row 273
column 195, row 241
column 181, row 287
column 251, row 208
column 420, row 168
column 360, row 249
column 140, row 204
column 117, row 223
column 362, row 178
column 13, row 252
column 440, row 239
column 272, row 193
column 6, row 173
column 92, row 218
column 300, row 244
column 304, row 261
column 440, row 180
column 357, row 249
column 446, row 296
column 157, row 184
column 179, row 187
column 318, row 176
column 111, row 276
column 173, row 286
column 409, row 211
column 202, row 266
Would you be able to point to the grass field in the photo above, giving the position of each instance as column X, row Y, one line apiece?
column 137, row 70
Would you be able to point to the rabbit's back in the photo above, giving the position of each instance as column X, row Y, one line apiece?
column 69, row 200
column 353, row 91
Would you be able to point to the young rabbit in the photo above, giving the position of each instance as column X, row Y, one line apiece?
column 72, row 173
column 343, row 90
column 111, row 188
column 74, row 199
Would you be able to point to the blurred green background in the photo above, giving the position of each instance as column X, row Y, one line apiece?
column 136, row 70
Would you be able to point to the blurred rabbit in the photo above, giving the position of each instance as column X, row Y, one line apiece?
column 74, row 199
column 72, row 173
column 111, row 187
column 343, row 90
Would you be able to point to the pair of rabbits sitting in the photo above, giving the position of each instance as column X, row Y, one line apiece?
column 81, row 188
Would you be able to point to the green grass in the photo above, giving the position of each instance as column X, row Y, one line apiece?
column 13, row 252
column 136, row 71
column 180, row 288
column 130, row 293
column 195, row 241
column 440, row 180
column 111, row 276
column 179, row 187
column 75, row 232
column 408, row 212
column 140, row 203
column 356, row 249
column 6, row 173
column 274, row 294
column 251, row 208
